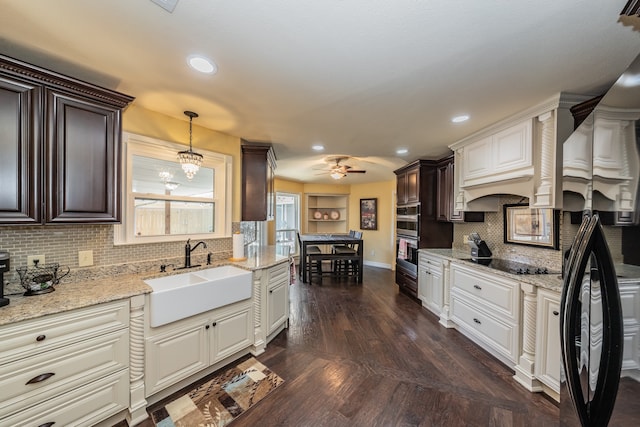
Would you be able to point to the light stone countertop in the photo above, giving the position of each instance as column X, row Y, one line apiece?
column 79, row 294
column 548, row 281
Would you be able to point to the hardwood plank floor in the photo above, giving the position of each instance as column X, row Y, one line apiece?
column 367, row 355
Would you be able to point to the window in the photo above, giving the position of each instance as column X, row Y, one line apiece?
column 161, row 204
column 287, row 223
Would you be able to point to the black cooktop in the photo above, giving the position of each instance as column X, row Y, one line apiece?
column 512, row 267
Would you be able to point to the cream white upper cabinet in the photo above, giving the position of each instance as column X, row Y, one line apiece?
column 505, row 155
column 519, row 155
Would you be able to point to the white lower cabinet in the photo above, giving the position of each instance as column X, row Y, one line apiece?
column 66, row 369
column 548, row 357
column 271, row 303
column 180, row 349
column 430, row 282
column 486, row 308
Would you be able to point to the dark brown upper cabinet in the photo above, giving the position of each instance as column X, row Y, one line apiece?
column 258, row 172
column 446, row 198
column 61, row 146
column 408, row 185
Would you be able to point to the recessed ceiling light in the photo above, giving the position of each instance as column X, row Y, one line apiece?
column 629, row 80
column 317, row 147
column 402, row 151
column 460, row 119
column 202, row 64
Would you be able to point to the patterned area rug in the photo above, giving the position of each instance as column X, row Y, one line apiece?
column 219, row 401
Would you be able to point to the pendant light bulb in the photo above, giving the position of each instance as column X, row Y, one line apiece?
column 190, row 160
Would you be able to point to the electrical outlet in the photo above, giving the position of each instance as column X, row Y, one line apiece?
column 85, row 258
column 32, row 260
column 465, row 239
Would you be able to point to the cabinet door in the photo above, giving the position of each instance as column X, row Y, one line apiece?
column 513, row 148
column 82, row 160
column 258, row 196
column 278, row 301
column 436, row 291
column 20, row 142
column 401, row 188
column 174, row 356
column 230, row 333
column 548, row 357
column 444, row 205
column 413, row 185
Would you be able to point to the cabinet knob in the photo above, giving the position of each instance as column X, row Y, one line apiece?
column 555, row 312
column 478, row 287
column 477, row 321
column 40, row 378
column 41, row 338
column 271, row 291
column 214, row 323
column 206, row 327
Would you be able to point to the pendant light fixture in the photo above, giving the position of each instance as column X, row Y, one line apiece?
column 190, row 160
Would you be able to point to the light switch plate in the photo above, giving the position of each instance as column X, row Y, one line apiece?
column 85, row 258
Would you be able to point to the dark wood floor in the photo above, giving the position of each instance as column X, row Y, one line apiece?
column 369, row 356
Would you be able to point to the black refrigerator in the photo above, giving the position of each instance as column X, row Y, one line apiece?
column 600, row 307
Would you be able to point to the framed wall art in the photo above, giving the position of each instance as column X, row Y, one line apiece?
column 369, row 214
column 534, row 227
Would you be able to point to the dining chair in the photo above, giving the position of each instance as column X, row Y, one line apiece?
column 349, row 267
column 310, row 266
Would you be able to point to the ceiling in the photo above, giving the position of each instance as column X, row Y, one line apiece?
column 361, row 77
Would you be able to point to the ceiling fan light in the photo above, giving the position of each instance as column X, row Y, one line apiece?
column 337, row 174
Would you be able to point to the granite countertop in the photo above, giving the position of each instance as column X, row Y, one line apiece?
column 73, row 295
column 626, row 273
column 548, row 281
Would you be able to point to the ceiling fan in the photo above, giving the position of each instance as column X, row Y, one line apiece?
column 338, row 170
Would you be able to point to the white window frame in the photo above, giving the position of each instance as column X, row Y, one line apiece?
column 133, row 144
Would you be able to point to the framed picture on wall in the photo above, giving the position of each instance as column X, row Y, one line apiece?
column 369, row 214
column 535, row 227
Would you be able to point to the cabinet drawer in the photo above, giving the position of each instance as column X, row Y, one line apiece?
column 429, row 263
column 82, row 406
column 499, row 335
column 497, row 293
column 279, row 274
column 35, row 336
column 71, row 366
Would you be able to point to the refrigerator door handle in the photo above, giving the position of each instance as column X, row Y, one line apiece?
column 590, row 243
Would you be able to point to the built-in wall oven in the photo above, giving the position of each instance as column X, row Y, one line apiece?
column 408, row 220
column 407, row 244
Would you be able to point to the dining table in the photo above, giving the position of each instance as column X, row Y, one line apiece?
column 329, row 240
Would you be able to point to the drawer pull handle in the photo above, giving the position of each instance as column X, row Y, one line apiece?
column 555, row 312
column 49, row 424
column 41, row 338
column 478, row 287
column 477, row 321
column 40, row 378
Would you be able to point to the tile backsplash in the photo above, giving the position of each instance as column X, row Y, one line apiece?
column 60, row 244
column 492, row 231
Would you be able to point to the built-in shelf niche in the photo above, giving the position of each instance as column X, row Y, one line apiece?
column 327, row 213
